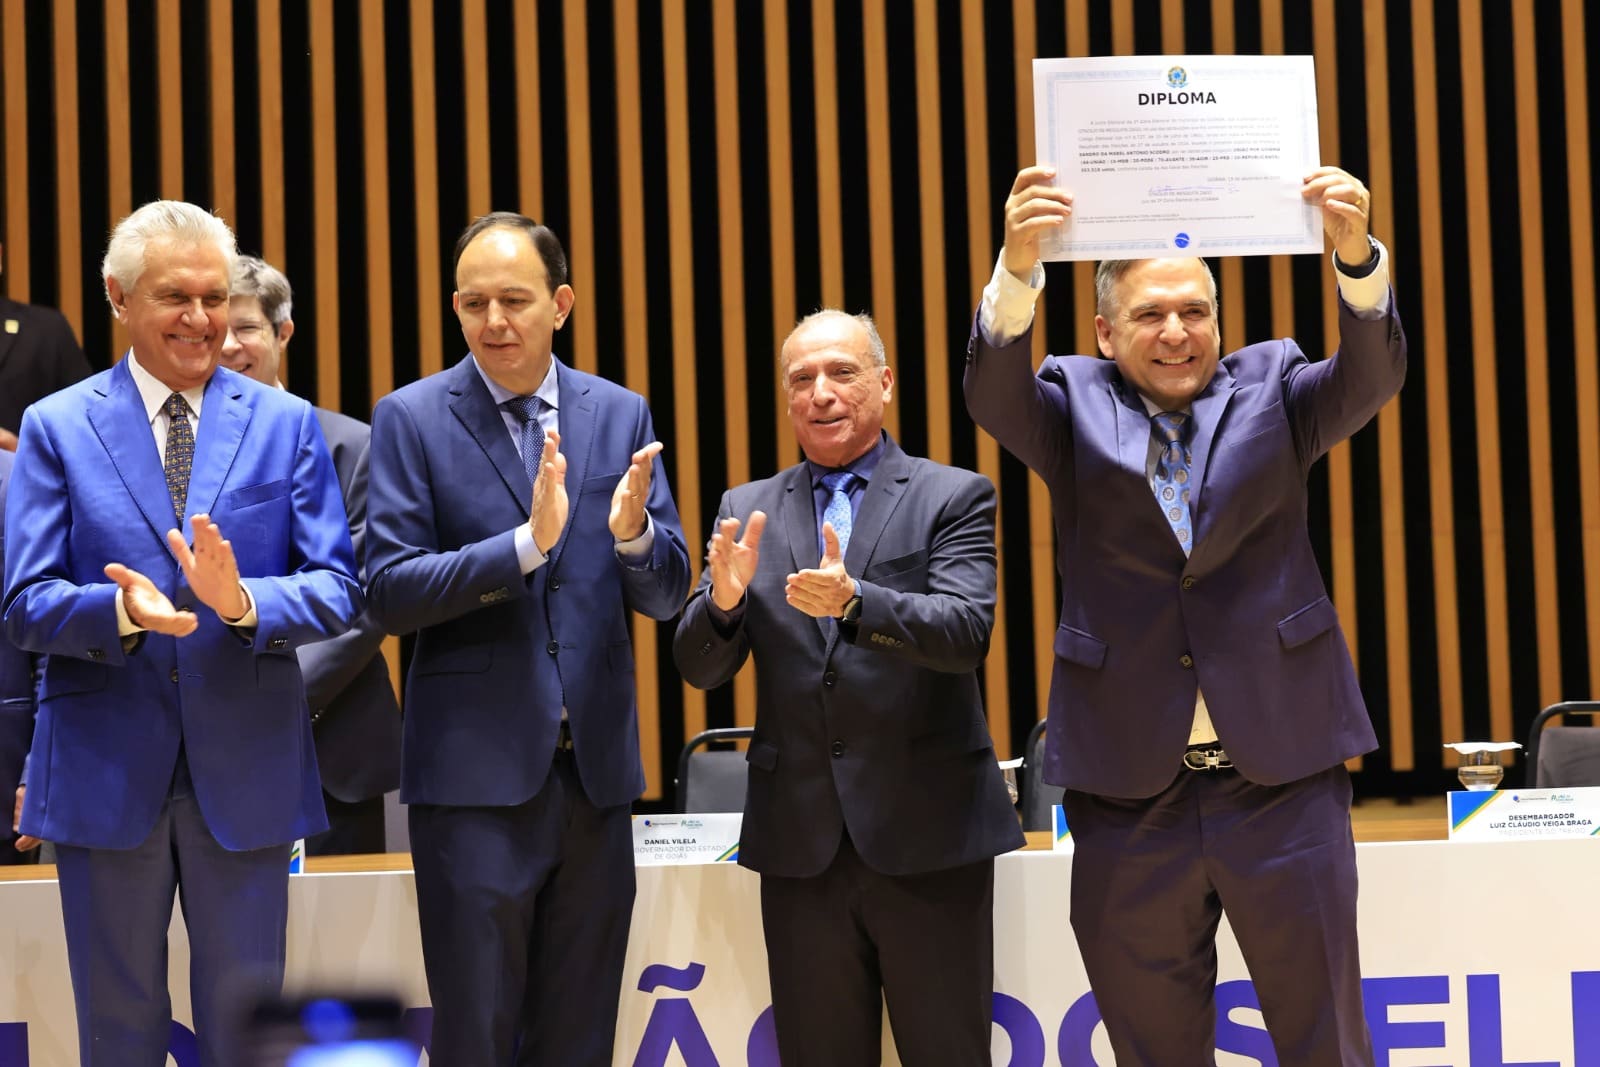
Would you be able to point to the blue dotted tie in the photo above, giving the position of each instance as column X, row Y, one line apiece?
column 180, row 452
column 838, row 513
column 530, row 442
column 1172, row 474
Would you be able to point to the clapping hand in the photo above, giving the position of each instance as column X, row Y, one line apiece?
column 733, row 563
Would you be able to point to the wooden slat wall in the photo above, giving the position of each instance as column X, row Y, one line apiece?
column 718, row 169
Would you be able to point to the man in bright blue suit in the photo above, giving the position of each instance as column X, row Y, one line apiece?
column 173, row 748
column 521, row 745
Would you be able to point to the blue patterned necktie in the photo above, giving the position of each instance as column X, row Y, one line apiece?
column 838, row 513
column 1172, row 474
column 531, row 440
column 179, row 460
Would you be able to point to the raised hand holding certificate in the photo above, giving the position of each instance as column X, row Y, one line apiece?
column 1179, row 155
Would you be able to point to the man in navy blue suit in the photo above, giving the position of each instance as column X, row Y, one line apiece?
column 354, row 714
column 17, row 706
column 1203, row 700
column 518, row 513
column 173, row 747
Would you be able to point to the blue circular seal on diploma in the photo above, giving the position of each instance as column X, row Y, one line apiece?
column 1181, row 240
column 1177, row 77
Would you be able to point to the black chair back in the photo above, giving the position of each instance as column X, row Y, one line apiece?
column 1038, row 797
column 714, row 779
column 1562, row 756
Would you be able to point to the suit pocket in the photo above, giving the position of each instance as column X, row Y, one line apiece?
column 968, row 737
column 1075, row 646
column 1316, row 618
column 763, row 755
column 252, row 495
column 455, row 659
column 64, row 675
column 619, row 656
column 605, row 484
column 899, row 565
column 1262, row 422
column 279, row 673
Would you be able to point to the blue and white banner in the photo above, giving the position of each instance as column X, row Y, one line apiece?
column 1456, row 973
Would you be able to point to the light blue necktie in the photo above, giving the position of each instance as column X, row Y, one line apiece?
column 1172, row 474
column 838, row 513
column 531, row 441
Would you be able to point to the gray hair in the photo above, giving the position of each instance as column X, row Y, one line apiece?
column 1108, row 272
column 161, row 219
column 880, row 358
column 256, row 278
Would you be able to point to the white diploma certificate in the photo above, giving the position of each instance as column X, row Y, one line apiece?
column 1179, row 155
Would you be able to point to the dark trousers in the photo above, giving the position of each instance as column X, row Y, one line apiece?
column 354, row 828
column 842, row 944
column 117, row 905
column 9, row 856
column 1151, row 879
column 524, row 914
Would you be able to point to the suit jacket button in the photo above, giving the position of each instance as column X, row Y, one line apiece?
column 555, row 583
column 1188, row 581
column 278, row 642
column 1186, row 660
column 705, row 649
column 552, row 648
column 829, row 678
column 838, row 749
column 174, row 675
column 95, row 653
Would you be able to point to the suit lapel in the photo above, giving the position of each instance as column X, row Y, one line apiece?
column 799, row 522
column 878, row 504
column 800, row 518
column 578, row 418
column 1209, row 409
column 472, row 405
column 223, row 417
column 1133, row 433
column 119, row 420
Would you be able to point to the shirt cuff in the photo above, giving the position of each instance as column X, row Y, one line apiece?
column 126, row 627
column 529, row 558
column 248, row 620
column 636, row 553
column 1367, row 297
column 1006, row 311
column 726, row 622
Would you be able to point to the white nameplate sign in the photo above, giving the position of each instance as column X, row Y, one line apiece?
column 1524, row 814
column 686, row 840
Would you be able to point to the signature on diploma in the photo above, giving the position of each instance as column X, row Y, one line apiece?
column 1192, row 190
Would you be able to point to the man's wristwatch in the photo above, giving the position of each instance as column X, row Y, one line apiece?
column 852, row 607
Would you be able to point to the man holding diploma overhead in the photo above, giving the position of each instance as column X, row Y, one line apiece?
column 1203, row 701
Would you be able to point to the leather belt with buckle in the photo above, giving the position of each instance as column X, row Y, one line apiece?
column 1206, row 758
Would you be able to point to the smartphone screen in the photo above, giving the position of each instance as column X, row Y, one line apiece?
column 328, row 1031
column 395, row 1053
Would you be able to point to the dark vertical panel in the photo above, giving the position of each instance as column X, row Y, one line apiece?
column 37, row 274
column 299, row 241
column 94, row 179
column 405, row 251
column 244, row 83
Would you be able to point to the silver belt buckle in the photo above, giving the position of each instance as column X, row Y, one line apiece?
column 1206, row 759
